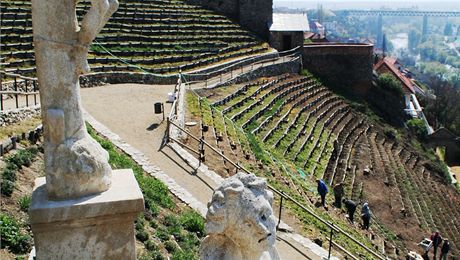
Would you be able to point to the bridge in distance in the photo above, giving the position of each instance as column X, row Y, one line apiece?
column 381, row 13
column 399, row 13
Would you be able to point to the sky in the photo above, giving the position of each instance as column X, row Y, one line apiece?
column 438, row 5
column 345, row 1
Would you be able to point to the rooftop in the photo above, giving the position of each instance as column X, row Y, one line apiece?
column 391, row 63
column 290, row 22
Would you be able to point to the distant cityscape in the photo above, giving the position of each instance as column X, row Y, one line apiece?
column 337, row 5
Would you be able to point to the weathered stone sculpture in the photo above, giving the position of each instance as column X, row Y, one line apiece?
column 80, row 211
column 75, row 164
column 240, row 223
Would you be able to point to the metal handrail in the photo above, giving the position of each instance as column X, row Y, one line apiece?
column 282, row 194
column 296, row 56
column 291, row 52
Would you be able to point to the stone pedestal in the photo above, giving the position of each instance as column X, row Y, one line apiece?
column 99, row 226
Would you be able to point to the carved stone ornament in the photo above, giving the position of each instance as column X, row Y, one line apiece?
column 240, row 223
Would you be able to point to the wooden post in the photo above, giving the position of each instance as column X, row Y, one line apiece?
column 330, row 242
column 27, row 96
column 279, row 215
column 16, row 89
column 1, row 98
column 13, row 142
column 35, row 90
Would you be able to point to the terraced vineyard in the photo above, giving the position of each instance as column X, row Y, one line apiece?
column 298, row 131
column 159, row 36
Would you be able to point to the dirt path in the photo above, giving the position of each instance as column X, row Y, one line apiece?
column 127, row 110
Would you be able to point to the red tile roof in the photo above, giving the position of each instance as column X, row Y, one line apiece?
column 390, row 64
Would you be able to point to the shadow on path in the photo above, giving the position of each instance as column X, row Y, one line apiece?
column 152, row 127
column 191, row 171
column 279, row 238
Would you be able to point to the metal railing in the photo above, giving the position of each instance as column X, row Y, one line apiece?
column 16, row 92
column 232, row 71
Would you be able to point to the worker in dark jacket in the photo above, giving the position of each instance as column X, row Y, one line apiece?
column 445, row 249
column 366, row 215
column 338, row 194
column 351, row 208
column 437, row 240
column 322, row 190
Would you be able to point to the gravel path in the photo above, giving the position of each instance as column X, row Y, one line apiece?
column 127, row 110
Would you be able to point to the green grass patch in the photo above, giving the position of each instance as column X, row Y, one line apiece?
column 165, row 230
column 206, row 113
column 193, row 105
column 14, row 162
column 257, row 149
column 24, row 202
column 271, row 111
column 21, row 127
column 13, row 237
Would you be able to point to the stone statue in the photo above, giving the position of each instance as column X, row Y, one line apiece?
column 240, row 223
column 75, row 164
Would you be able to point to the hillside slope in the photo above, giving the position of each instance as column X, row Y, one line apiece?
column 299, row 131
column 152, row 36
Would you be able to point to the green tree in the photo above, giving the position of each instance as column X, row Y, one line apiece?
column 444, row 110
column 414, row 38
column 389, row 82
column 435, row 69
column 448, row 29
column 417, row 127
column 427, row 50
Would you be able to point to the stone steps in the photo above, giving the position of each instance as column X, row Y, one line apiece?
column 338, row 131
column 283, row 118
column 311, row 102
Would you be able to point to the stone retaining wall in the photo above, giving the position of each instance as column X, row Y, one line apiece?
column 9, row 117
column 179, row 114
column 21, row 85
column 341, row 65
column 103, row 78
